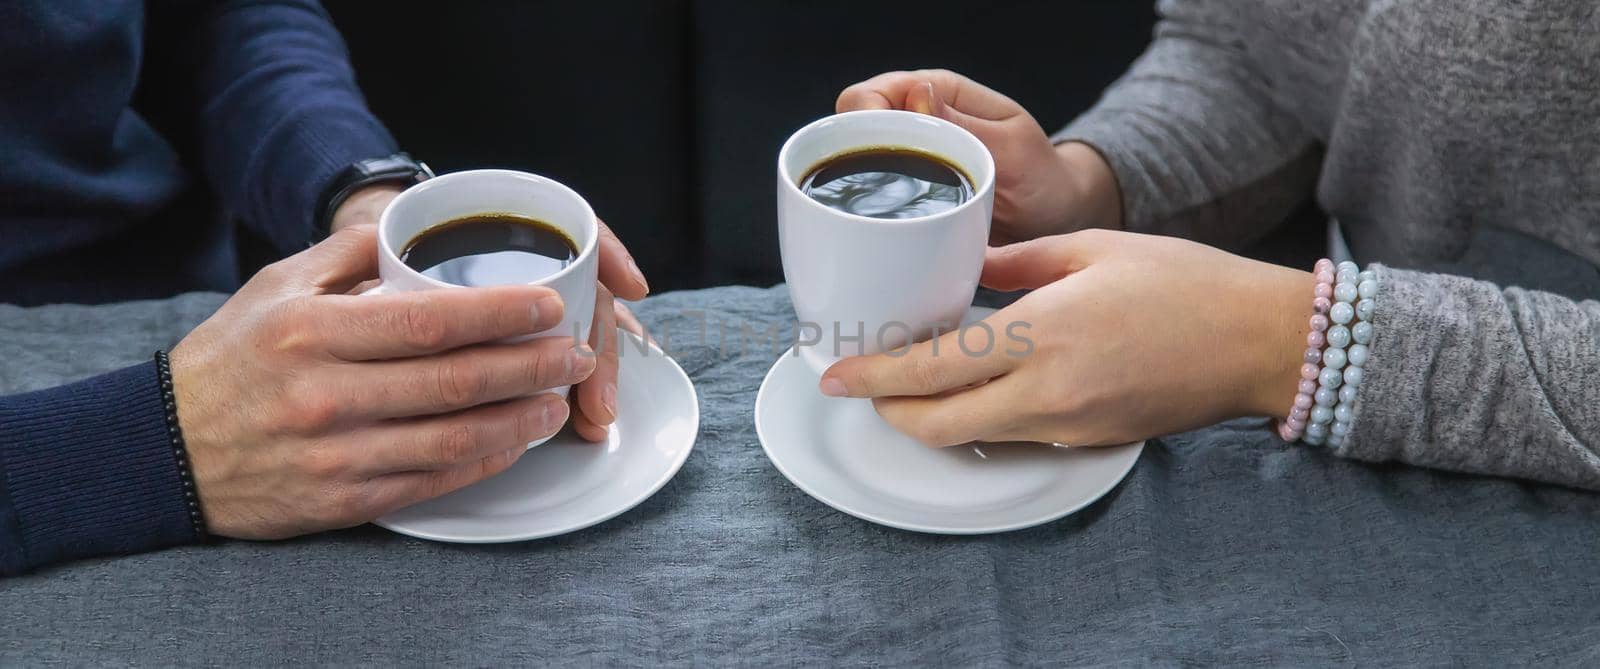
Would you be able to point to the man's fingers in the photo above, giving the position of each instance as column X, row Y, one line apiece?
column 630, row 322
column 596, row 397
column 406, row 324
column 461, row 378
column 334, row 265
column 1041, row 261
column 587, row 430
column 618, row 271
column 452, row 440
column 952, row 360
column 974, row 414
column 392, row 492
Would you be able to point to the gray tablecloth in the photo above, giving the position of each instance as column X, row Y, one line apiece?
column 1221, row 547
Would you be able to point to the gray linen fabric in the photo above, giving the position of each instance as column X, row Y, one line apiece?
column 1445, row 136
column 1222, row 547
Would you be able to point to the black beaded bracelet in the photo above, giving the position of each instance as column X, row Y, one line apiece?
column 191, row 496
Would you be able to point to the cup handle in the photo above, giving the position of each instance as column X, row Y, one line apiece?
column 376, row 290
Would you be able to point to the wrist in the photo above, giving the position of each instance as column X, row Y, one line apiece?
column 364, row 205
column 1278, row 347
column 1093, row 198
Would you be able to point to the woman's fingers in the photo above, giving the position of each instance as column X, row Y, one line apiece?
column 974, row 414
column 953, row 360
column 899, row 90
column 1037, row 262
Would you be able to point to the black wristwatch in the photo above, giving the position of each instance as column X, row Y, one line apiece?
column 399, row 168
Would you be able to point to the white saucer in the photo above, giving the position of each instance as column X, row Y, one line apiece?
column 840, row 452
column 567, row 484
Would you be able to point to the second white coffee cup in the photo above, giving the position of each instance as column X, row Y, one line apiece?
column 458, row 194
column 862, row 285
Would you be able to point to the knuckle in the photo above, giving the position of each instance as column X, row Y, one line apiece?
column 435, row 485
column 1067, row 404
column 310, row 411
column 1093, row 235
column 525, row 425
column 276, row 272
column 455, row 443
column 323, row 464
column 345, row 504
column 420, row 328
column 293, row 329
column 926, row 374
column 461, row 384
column 544, row 368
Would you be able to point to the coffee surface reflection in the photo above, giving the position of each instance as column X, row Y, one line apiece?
column 887, row 182
column 490, row 250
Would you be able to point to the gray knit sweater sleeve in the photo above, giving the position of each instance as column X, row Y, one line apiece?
column 1464, row 375
column 1194, row 137
column 1471, row 377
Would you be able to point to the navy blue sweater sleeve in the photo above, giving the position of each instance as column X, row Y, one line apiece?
column 86, row 470
column 281, row 115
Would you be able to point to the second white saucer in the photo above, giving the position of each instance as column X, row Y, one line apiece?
column 840, row 452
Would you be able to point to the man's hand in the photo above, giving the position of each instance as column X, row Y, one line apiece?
column 1040, row 189
column 595, row 400
column 306, row 408
column 363, row 207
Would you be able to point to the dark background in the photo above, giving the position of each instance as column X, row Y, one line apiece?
column 668, row 114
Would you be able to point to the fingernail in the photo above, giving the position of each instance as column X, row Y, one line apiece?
column 553, row 414
column 547, row 414
column 638, row 274
column 608, row 397
column 926, row 106
column 582, row 361
column 549, row 304
column 832, row 387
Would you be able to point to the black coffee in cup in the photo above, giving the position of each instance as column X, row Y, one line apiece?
column 490, row 250
column 887, row 182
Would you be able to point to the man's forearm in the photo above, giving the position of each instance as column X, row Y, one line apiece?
column 281, row 113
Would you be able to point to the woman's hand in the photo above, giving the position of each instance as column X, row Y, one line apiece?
column 306, row 408
column 1040, row 189
column 594, row 400
column 1127, row 337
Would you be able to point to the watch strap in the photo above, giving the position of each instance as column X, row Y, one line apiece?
column 399, row 167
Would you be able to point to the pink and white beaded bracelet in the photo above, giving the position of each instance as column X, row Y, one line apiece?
column 1293, row 427
column 1336, row 351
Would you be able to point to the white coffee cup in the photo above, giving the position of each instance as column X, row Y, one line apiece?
column 890, row 281
column 458, row 194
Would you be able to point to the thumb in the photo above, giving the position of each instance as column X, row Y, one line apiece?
column 1037, row 262
column 928, row 98
column 338, row 263
column 925, row 99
